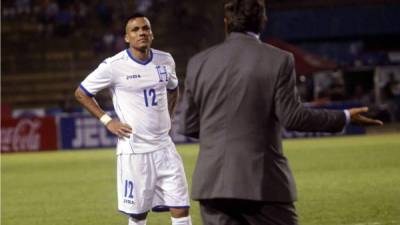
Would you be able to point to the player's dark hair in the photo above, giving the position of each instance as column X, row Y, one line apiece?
column 245, row 15
column 133, row 16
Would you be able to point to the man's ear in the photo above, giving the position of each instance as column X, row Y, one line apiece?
column 126, row 38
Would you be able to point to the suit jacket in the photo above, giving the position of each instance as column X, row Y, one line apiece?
column 238, row 96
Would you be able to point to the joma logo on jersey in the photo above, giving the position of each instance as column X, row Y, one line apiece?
column 133, row 76
column 162, row 73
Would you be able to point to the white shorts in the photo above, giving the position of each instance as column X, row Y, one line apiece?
column 151, row 181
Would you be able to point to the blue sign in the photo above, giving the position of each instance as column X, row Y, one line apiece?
column 84, row 132
column 349, row 130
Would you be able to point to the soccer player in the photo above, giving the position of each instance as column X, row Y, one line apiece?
column 144, row 87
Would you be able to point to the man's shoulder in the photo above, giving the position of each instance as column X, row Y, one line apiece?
column 162, row 57
column 265, row 48
column 270, row 49
column 205, row 53
column 116, row 58
column 161, row 54
column 261, row 47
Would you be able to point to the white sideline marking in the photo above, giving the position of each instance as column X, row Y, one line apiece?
column 376, row 223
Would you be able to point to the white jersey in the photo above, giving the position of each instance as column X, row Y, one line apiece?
column 139, row 94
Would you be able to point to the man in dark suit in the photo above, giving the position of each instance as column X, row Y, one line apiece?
column 238, row 96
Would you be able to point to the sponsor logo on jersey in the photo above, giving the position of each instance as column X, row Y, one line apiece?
column 133, row 76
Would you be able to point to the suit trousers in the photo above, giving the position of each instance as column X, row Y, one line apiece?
column 246, row 212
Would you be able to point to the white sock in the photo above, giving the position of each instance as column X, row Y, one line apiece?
column 133, row 221
column 181, row 221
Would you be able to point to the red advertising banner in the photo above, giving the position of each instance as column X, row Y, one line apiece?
column 28, row 134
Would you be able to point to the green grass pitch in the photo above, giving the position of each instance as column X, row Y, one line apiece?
column 341, row 181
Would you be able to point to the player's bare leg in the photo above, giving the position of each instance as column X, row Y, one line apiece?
column 180, row 216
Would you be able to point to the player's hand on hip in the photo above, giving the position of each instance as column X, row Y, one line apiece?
column 119, row 129
column 357, row 118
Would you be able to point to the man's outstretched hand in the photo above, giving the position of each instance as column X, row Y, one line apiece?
column 357, row 118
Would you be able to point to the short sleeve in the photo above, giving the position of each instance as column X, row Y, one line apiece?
column 99, row 79
column 173, row 79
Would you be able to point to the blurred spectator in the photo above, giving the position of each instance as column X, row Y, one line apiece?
column 104, row 12
column 337, row 91
column 23, row 6
column 64, row 21
column 361, row 95
column 81, row 13
column 392, row 97
column 119, row 43
column 47, row 13
column 108, row 40
column 8, row 13
column 112, row 40
column 305, row 87
column 143, row 5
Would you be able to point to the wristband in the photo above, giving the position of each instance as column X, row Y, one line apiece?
column 105, row 119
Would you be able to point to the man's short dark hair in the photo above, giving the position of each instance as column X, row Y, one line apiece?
column 245, row 15
column 133, row 16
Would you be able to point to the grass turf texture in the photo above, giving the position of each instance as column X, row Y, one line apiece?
column 341, row 181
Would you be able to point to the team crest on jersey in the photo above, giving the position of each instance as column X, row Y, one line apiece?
column 162, row 73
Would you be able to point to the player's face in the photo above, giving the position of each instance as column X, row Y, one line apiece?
column 138, row 33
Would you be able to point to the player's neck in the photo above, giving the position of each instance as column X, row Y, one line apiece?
column 140, row 54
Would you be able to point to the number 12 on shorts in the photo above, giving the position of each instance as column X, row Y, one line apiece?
column 128, row 189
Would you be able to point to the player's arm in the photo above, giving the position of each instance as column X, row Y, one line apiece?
column 294, row 116
column 172, row 100
column 113, row 125
column 172, row 88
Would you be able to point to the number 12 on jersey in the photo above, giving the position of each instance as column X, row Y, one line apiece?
column 150, row 97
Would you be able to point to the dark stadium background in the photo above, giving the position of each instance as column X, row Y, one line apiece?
column 347, row 54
